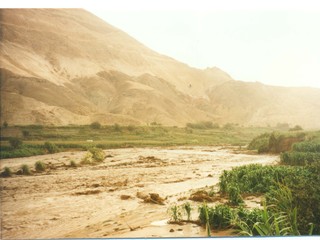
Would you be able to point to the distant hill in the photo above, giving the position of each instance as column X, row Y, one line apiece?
column 67, row 66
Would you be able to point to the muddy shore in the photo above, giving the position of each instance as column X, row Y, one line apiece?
column 103, row 200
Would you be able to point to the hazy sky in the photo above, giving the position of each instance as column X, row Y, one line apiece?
column 274, row 42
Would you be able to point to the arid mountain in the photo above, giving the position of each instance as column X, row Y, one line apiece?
column 67, row 66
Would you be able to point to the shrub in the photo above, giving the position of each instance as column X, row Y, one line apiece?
column 15, row 142
column 306, row 146
column 234, row 195
column 303, row 183
column 299, row 158
column 260, row 143
column 50, row 147
column 95, row 125
column 25, row 170
column 97, row 154
column 87, row 159
column 73, row 164
column 219, row 217
column 40, row 166
column 6, row 172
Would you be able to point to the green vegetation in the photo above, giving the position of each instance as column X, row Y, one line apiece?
column 15, row 142
column 277, row 142
column 187, row 208
column 203, row 125
column 95, row 125
column 50, row 147
column 175, row 213
column 73, row 164
column 97, row 154
column 235, row 198
column 295, row 188
column 24, row 170
column 6, row 172
column 87, row 159
column 218, row 217
column 303, row 153
column 40, row 166
column 46, row 139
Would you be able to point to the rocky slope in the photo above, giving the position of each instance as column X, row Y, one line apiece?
column 67, row 66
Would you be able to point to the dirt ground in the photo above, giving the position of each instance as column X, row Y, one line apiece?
column 106, row 200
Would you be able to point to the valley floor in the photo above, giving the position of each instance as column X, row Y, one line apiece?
column 103, row 200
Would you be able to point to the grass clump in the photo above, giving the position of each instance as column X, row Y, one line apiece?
column 73, row 164
column 97, row 154
column 24, row 170
column 87, row 159
column 50, row 147
column 40, row 166
column 6, row 172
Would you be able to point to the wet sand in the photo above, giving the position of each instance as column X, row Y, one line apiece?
column 101, row 200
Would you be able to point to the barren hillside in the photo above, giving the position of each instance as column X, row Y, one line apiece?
column 67, row 66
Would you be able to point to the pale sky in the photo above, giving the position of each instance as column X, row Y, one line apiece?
column 275, row 42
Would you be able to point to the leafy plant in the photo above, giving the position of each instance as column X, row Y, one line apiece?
column 187, row 207
column 234, row 195
column 175, row 213
column 205, row 217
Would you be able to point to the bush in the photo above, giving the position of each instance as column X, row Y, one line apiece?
column 40, row 166
column 95, row 125
column 6, row 172
column 15, row 142
column 73, row 164
column 299, row 158
column 303, row 183
column 234, row 195
column 24, row 170
column 306, row 147
column 260, row 143
column 219, row 216
column 97, row 154
column 50, row 147
column 87, row 159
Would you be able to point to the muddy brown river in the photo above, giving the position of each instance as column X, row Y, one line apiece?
column 102, row 200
